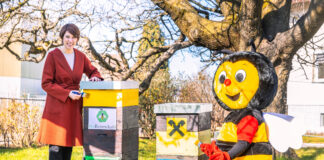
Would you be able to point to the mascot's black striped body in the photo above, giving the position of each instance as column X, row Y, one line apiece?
column 244, row 83
column 260, row 147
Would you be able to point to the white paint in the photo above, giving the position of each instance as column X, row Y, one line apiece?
column 94, row 123
column 109, row 85
column 183, row 108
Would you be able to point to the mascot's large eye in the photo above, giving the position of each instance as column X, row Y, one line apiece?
column 222, row 77
column 240, row 75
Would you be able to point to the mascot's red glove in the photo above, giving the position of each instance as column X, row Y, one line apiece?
column 213, row 152
column 209, row 149
column 220, row 156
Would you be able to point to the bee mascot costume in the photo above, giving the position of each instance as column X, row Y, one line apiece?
column 244, row 84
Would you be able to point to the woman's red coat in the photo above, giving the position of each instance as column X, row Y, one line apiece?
column 61, row 122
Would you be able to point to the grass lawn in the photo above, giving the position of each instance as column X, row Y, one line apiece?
column 311, row 153
column 34, row 153
column 146, row 152
column 313, row 139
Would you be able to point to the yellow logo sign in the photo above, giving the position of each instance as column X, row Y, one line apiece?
column 176, row 127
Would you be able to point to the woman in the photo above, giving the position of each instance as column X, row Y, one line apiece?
column 61, row 124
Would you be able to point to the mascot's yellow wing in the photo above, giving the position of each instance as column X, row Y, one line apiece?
column 284, row 131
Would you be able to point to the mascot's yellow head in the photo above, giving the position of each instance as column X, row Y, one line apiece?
column 245, row 80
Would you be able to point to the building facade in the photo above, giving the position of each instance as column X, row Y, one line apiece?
column 19, row 79
column 305, row 95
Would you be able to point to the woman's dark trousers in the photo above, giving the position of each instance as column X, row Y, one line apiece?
column 59, row 152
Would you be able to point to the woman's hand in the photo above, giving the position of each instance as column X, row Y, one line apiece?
column 75, row 95
column 95, row 79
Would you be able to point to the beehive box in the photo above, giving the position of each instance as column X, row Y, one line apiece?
column 179, row 126
column 110, row 120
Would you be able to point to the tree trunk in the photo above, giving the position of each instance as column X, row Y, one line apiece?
column 290, row 154
column 279, row 104
column 267, row 23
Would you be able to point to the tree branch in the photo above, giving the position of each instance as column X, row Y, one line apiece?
column 199, row 30
column 305, row 28
column 250, row 22
column 275, row 17
column 120, row 52
column 216, row 9
column 98, row 57
column 11, row 12
column 164, row 57
column 229, row 8
column 161, row 18
column 142, row 59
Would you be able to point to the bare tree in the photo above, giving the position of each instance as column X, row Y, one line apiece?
column 210, row 25
column 110, row 33
column 307, row 58
column 34, row 23
column 198, row 89
column 266, row 22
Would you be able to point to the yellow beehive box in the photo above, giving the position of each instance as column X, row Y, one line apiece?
column 110, row 93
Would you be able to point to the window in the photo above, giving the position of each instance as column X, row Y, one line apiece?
column 322, row 120
column 321, row 70
column 320, row 65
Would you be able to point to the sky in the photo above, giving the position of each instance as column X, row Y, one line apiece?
column 186, row 65
column 180, row 64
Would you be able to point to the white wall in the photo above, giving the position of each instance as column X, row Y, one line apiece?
column 20, row 79
column 310, row 115
column 31, row 88
column 306, row 100
column 15, row 87
column 308, row 72
column 305, row 93
column 31, row 70
column 10, row 87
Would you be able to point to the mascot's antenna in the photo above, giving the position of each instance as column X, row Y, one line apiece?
column 251, row 43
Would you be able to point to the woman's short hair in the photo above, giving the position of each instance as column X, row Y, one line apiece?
column 72, row 28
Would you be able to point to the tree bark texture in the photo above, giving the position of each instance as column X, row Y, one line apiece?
column 266, row 22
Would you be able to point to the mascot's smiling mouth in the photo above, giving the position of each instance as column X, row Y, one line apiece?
column 234, row 98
